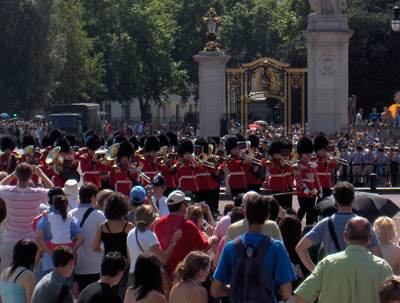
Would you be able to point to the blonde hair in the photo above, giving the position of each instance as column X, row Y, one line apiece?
column 102, row 197
column 191, row 265
column 385, row 230
column 144, row 216
column 193, row 213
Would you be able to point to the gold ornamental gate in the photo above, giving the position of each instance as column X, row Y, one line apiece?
column 259, row 83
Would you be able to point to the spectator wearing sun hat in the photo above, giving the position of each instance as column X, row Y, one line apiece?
column 71, row 191
column 167, row 225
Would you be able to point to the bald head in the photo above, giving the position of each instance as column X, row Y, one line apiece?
column 248, row 196
column 358, row 231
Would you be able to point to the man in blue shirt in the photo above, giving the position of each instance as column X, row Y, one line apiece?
column 276, row 259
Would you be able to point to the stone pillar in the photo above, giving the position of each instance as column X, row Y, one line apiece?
column 328, row 72
column 211, row 90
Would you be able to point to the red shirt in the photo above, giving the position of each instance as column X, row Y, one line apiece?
column 191, row 238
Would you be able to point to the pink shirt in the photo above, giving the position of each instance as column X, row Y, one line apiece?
column 22, row 207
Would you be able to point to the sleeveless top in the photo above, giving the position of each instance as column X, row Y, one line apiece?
column 114, row 241
column 12, row 292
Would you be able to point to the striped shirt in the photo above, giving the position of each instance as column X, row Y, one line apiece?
column 22, row 207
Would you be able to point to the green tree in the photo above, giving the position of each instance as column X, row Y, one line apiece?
column 80, row 77
column 25, row 53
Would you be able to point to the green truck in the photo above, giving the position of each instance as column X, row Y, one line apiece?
column 75, row 118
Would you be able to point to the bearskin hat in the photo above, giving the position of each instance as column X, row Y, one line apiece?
column 254, row 140
column 93, row 142
column 203, row 143
column 55, row 134
column 142, row 139
column 46, row 141
column 125, row 149
column 231, row 143
column 63, row 144
column 164, row 140
column 304, row 145
column 71, row 137
column 240, row 137
column 135, row 142
column 186, row 146
column 120, row 138
column 7, row 142
column 320, row 142
column 151, row 144
column 275, row 147
column 173, row 138
column 27, row 140
column 287, row 145
column 216, row 138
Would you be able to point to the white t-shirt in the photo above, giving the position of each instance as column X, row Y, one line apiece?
column 88, row 261
column 163, row 207
column 60, row 229
column 147, row 239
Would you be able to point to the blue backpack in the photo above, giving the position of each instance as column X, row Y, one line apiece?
column 251, row 281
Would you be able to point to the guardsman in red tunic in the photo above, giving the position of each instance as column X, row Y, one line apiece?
column 256, row 173
column 152, row 167
column 30, row 153
column 325, row 164
column 120, row 174
column 308, row 185
column 91, row 162
column 169, row 172
column 69, row 168
column 279, row 172
column 8, row 158
column 207, row 176
column 237, row 167
column 187, row 168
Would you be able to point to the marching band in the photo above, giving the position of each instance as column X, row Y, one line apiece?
column 196, row 166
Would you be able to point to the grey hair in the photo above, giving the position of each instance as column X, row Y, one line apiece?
column 247, row 196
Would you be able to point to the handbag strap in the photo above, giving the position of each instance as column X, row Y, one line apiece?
column 86, row 215
column 333, row 233
column 137, row 240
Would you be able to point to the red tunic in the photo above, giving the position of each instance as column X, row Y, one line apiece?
column 187, row 176
column 205, row 179
column 250, row 177
column 90, row 168
column 306, row 176
column 237, row 173
column 325, row 165
column 120, row 179
column 281, row 175
column 152, row 169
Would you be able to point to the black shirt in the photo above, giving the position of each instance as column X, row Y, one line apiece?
column 99, row 293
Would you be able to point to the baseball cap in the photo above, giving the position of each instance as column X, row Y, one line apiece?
column 137, row 195
column 176, row 197
column 158, row 181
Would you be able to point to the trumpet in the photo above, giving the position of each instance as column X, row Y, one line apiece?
column 336, row 156
column 249, row 154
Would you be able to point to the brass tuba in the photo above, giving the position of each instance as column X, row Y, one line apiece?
column 54, row 158
column 112, row 152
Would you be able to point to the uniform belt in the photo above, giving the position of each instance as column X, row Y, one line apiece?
column 277, row 175
column 92, row 172
column 237, row 173
column 324, row 174
column 123, row 182
column 203, row 174
column 151, row 172
column 308, row 180
column 185, row 177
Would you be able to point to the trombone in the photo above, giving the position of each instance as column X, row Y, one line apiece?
column 249, row 154
column 336, row 156
column 138, row 166
column 203, row 160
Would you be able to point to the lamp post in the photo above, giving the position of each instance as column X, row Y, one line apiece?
column 396, row 19
column 212, row 22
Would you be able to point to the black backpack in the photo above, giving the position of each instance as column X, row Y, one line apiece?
column 251, row 281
